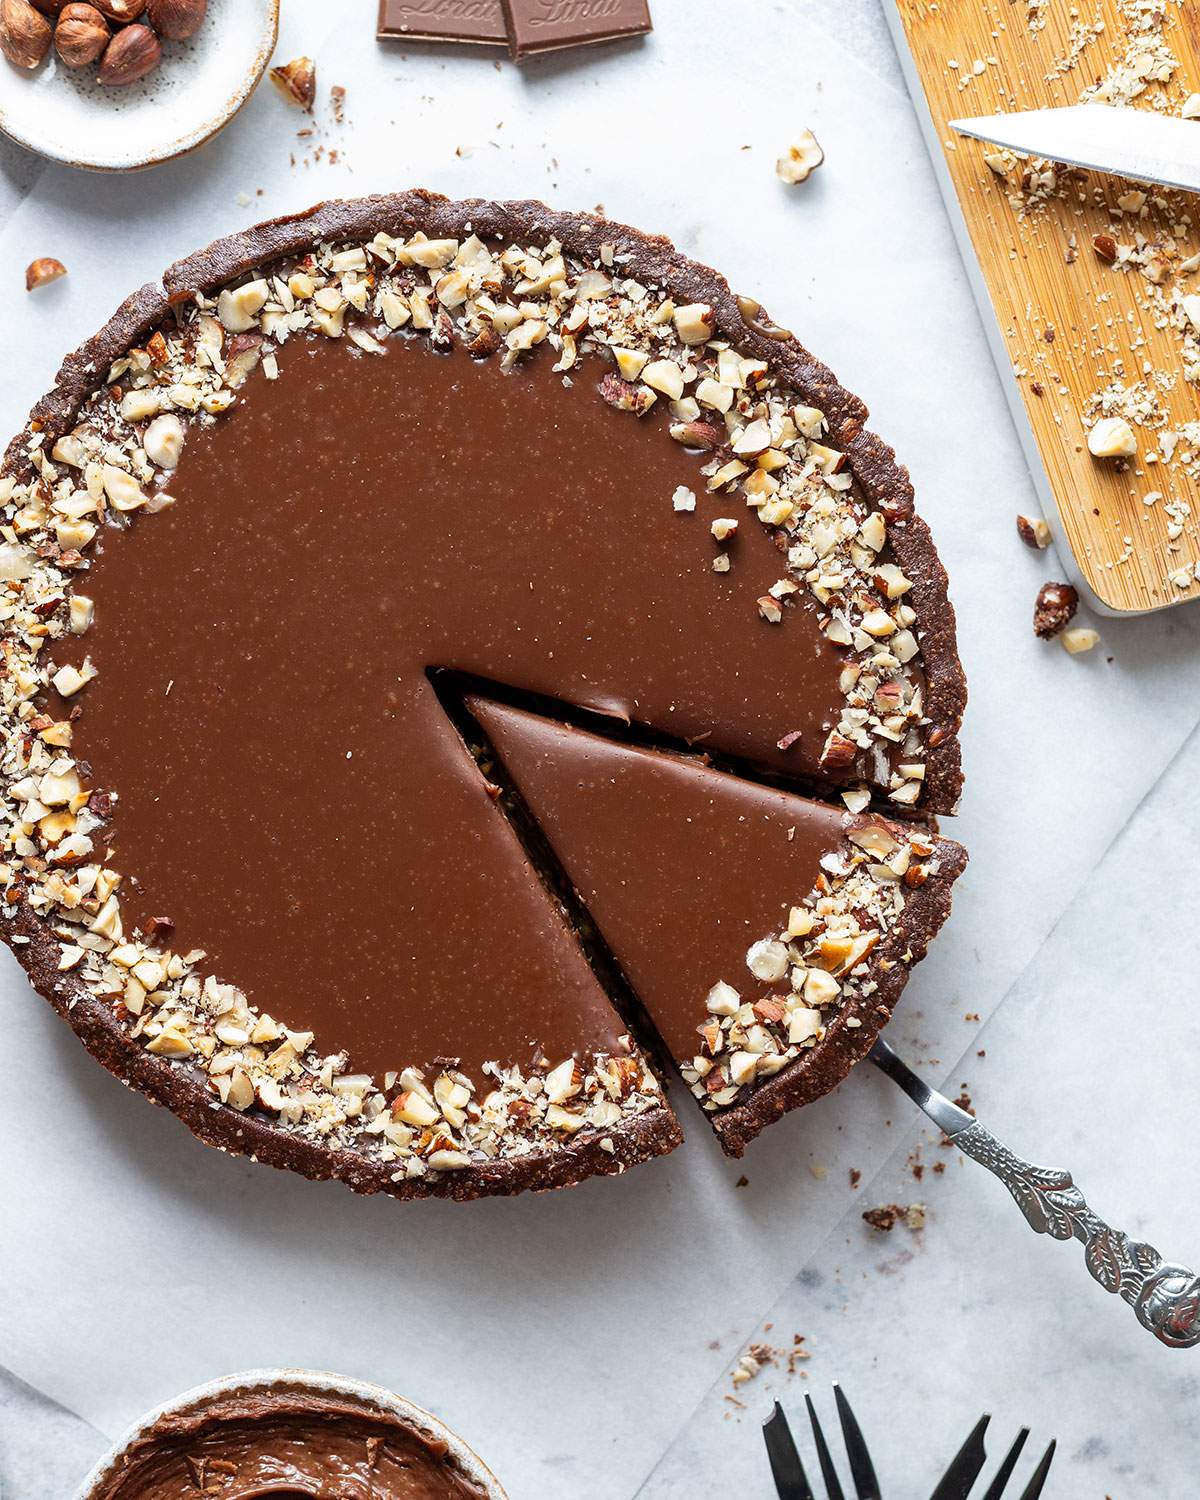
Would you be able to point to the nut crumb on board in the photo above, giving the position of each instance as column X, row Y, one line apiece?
column 1133, row 355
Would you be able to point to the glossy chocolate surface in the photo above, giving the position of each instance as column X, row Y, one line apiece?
column 682, row 866
column 291, row 793
column 281, row 1443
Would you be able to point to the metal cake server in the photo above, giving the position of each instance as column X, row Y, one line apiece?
column 1128, row 142
column 1164, row 1296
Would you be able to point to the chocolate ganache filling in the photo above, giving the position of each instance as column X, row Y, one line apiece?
column 291, row 794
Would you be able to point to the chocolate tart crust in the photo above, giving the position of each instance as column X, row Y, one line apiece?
column 884, row 483
column 185, row 1095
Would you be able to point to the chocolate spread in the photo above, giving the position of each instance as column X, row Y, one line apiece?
column 285, row 1442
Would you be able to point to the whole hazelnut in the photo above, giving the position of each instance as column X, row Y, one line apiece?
column 176, row 19
column 121, row 11
column 24, row 33
column 132, row 53
column 49, row 8
column 81, row 35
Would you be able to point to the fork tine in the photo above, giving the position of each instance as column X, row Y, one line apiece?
column 861, row 1469
column 964, row 1467
column 828, row 1472
column 1004, row 1472
column 791, row 1482
column 1034, row 1488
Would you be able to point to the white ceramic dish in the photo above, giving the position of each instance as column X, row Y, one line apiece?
column 317, row 1380
column 197, row 88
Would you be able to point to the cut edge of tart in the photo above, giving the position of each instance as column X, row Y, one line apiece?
column 549, row 266
column 759, row 1016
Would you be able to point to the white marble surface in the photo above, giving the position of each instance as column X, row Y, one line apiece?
column 927, row 1330
column 618, row 1307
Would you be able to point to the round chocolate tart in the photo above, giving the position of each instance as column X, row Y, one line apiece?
column 285, row 1435
column 455, row 653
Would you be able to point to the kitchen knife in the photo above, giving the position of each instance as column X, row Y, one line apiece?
column 1127, row 142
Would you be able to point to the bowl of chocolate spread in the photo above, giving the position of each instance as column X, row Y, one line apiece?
column 290, row 1435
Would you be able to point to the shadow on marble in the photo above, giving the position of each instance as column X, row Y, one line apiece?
column 45, row 1451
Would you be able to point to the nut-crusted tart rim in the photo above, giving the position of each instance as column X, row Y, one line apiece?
column 851, row 1033
column 883, row 482
column 633, row 1140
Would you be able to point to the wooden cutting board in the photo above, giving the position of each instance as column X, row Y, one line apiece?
column 1068, row 324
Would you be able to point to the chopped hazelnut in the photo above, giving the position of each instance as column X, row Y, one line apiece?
column 664, row 375
column 1033, row 531
column 297, row 81
column 1112, row 437
column 1079, row 639
column 238, row 307
column 42, row 272
column 1105, row 247
column 81, row 612
column 801, row 159
column 767, row 960
column 694, row 323
column 1055, row 608
column 164, row 440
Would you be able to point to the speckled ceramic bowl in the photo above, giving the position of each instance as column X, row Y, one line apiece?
column 322, row 1381
column 197, row 88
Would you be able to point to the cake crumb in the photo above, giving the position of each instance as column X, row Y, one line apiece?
column 888, row 1215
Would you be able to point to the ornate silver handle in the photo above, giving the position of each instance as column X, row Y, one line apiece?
column 1165, row 1296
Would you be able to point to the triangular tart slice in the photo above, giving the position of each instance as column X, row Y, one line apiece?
column 767, row 936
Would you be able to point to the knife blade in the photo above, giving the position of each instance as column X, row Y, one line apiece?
column 1126, row 142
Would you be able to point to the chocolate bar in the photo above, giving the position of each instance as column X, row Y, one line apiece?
column 477, row 21
column 546, row 25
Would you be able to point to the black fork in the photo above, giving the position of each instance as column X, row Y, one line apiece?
column 790, row 1479
column 968, row 1463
